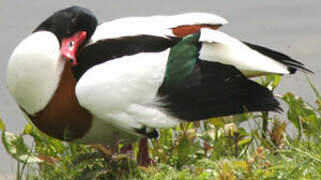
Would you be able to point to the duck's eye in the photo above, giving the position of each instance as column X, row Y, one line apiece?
column 71, row 43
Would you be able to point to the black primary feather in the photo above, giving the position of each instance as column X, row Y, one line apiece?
column 293, row 65
column 214, row 89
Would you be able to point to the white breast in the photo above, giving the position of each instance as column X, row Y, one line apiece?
column 34, row 70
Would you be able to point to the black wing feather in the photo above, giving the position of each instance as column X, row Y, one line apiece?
column 108, row 49
column 215, row 89
column 293, row 65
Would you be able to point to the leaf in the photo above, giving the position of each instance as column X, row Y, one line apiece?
column 16, row 147
column 2, row 125
column 217, row 121
column 241, row 164
column 276, row 81
column 300, row 112
column 227, row 172
column 276, row 134
column 231, row 129
column 244, row 141
column 28, row 129
column 271, row 81
column 316, row 92
column 185, row 148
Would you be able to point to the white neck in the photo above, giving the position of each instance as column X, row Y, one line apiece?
column 34, row 71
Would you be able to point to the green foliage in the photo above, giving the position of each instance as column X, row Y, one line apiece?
column 218, row 148
column 17, row 148
column 305, row 117
column 271, row 81
column 301, row 114
column 2, row 125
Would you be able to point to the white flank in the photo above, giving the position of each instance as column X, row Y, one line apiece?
column 153, row 25
column 122, row 91
column 220, row 47
column 34, row 70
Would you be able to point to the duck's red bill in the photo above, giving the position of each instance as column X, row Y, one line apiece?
column 70, row 45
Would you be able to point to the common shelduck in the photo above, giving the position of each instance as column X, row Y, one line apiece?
column 124, row 79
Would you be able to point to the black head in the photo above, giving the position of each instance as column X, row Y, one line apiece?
column 67, row 22
column 73, row 27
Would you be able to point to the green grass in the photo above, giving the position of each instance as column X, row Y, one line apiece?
column 218, row 148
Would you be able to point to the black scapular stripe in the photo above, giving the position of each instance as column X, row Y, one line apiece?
column 293, row 65
column 215, row 89
column 108, row 49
